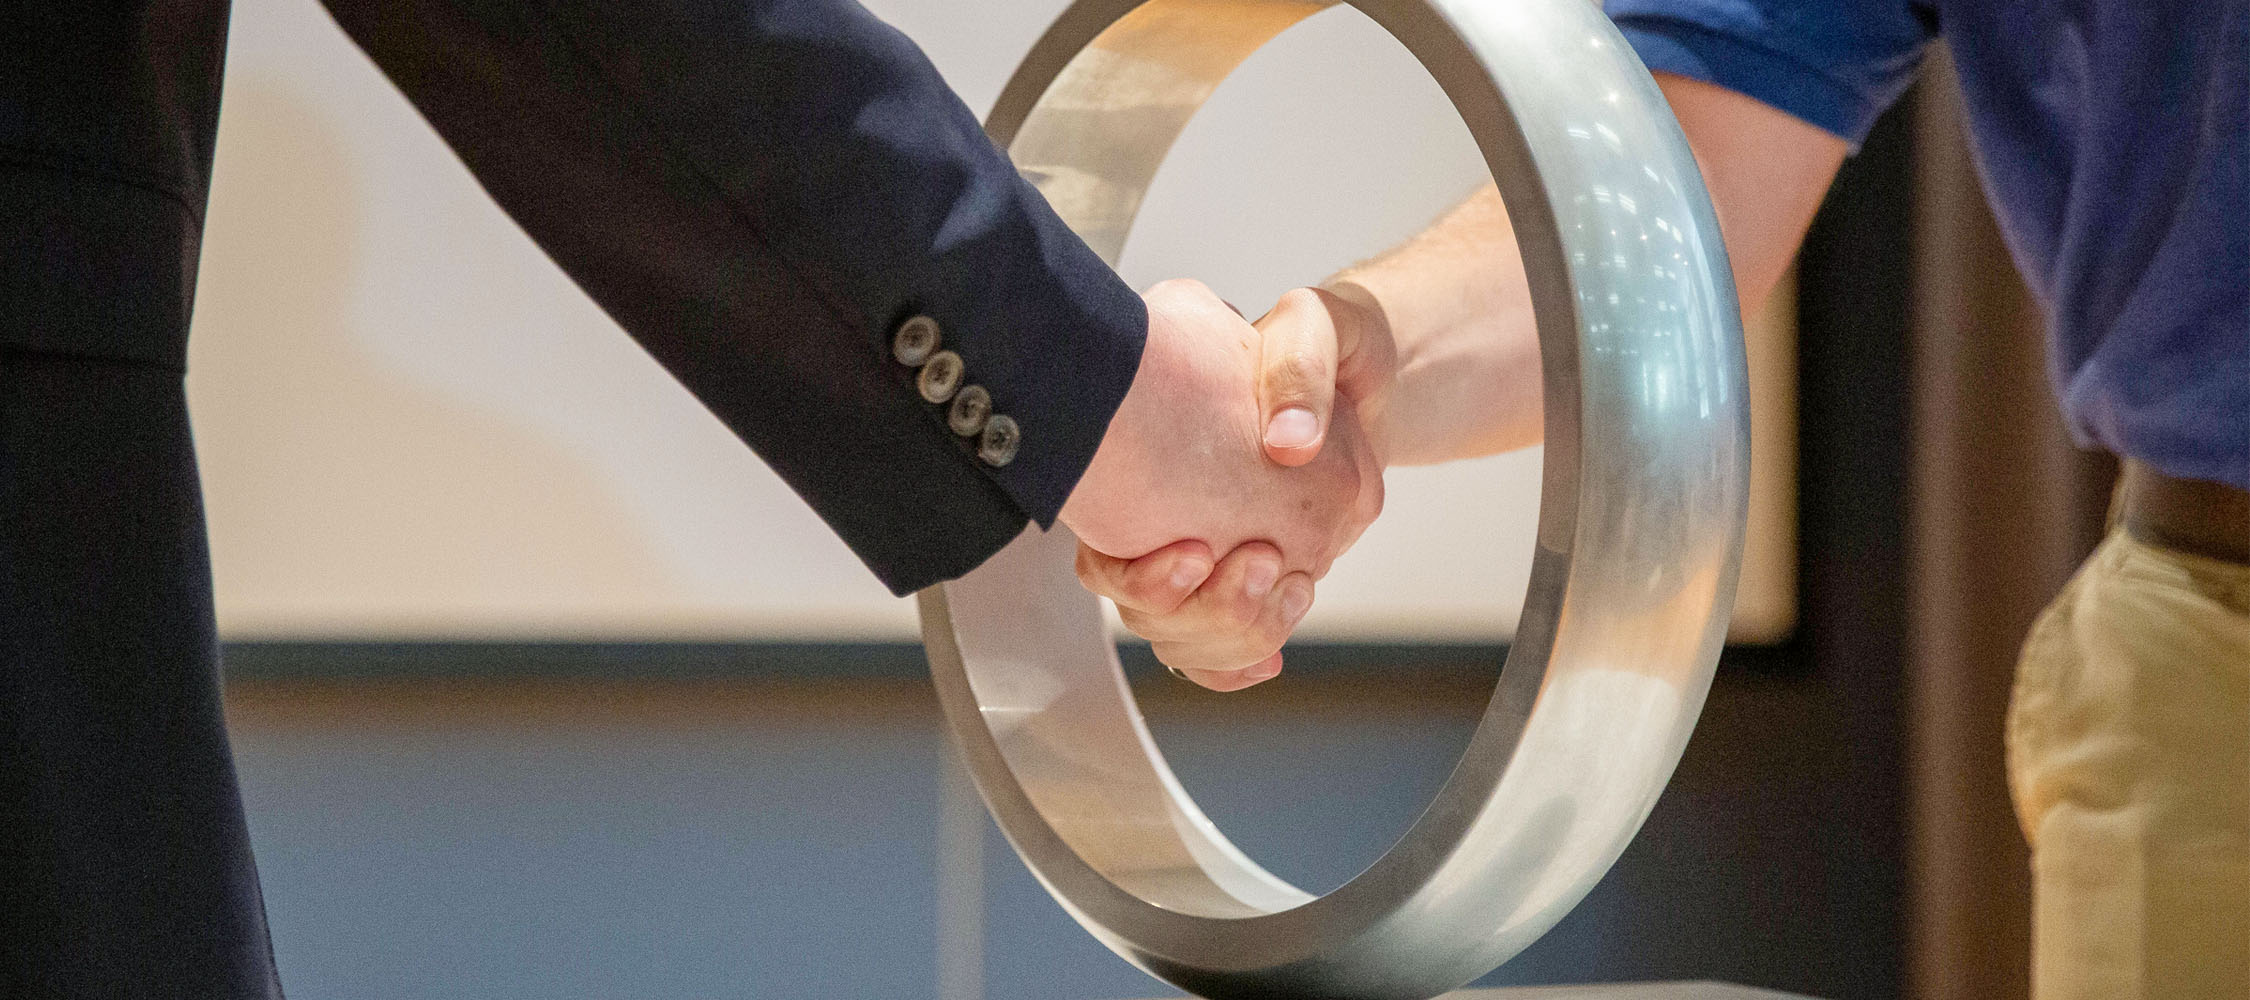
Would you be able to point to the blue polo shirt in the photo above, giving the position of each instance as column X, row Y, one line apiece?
column 2114, row 140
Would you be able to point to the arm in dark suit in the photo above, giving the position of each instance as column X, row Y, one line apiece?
column 759, row 191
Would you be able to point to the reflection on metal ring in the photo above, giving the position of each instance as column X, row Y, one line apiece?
column 1639, row 542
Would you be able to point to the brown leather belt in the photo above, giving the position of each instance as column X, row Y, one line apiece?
column 2191, row 515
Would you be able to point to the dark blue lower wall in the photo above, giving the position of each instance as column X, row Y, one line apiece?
column 595, row 830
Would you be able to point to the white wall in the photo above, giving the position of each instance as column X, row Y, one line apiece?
column 413, row 426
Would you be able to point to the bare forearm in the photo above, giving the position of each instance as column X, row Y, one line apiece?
column 1455, row 303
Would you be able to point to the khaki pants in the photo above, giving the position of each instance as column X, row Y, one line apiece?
column 2129, row 756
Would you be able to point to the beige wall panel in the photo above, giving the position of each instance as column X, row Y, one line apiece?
column 413, row 426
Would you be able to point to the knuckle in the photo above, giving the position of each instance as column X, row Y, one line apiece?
column 1272, row 633
column 1137, row 593
column 1298, row 299
column 1242, row 613
column 1139, row 624
column 1297, row 371
column 1160, row 597
column 1095, row 574
column 1180, row 289
column 1143, row 579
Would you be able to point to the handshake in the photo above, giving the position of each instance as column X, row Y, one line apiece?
column 1244, row 459
column 1247, row 456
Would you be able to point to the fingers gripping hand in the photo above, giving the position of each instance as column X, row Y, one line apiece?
column 1220, row 626
column 1315, row 345
column 1318, row 355
column 1184, row 459
column 1154, row 584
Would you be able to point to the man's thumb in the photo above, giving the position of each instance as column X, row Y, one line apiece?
column 1296, row 377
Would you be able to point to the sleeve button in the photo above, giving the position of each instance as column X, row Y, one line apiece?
column 970, row 408
column 915, row 341
column 997, row 446
column 941, row 377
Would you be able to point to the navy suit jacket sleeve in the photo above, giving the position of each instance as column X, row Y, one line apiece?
column 759, row 191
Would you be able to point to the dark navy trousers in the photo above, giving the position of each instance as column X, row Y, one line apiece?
column 125, row 866
column 758, row 191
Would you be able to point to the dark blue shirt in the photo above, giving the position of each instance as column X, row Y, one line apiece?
column 2114, row 140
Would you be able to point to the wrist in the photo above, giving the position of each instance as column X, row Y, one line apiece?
column 1356, row 313
column 1092, row 499
column 1458, row 383
column 1369, row 364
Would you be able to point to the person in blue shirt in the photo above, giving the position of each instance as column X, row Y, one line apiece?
column 2114, row 141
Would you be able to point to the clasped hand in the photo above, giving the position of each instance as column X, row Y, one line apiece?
column 1244, row 459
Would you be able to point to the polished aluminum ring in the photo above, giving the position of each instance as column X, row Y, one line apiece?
column 1639, row 543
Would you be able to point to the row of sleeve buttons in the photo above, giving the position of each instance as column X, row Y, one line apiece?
column 940, row 381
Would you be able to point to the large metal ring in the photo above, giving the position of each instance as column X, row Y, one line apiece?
column 1639, row 542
